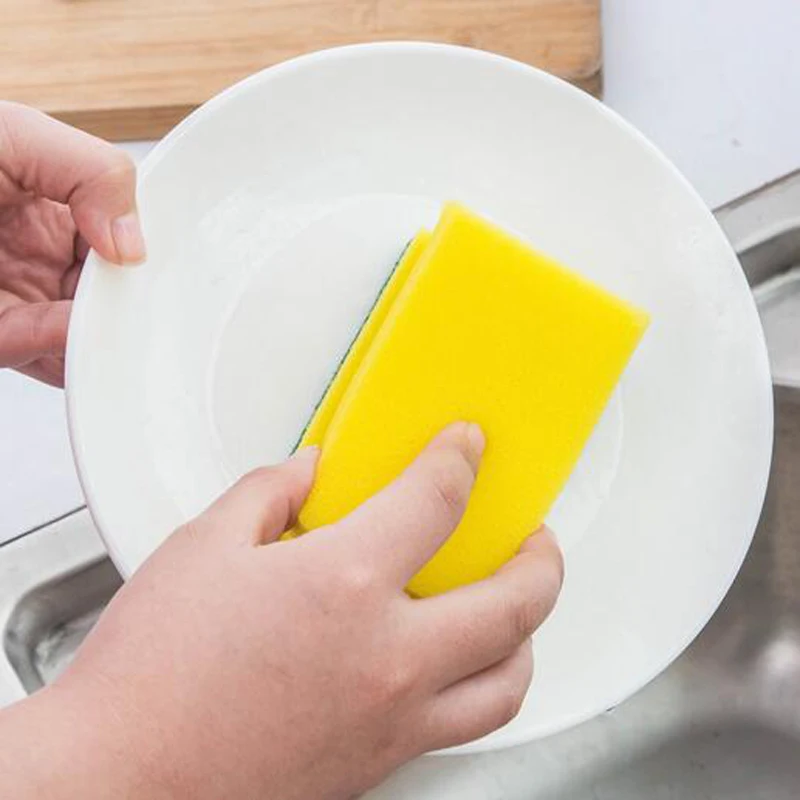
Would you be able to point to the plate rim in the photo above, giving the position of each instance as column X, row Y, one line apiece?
column 499, row 739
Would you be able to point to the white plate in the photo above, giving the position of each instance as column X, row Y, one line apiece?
column 272, row 215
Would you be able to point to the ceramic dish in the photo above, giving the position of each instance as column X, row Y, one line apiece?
column 273, row 215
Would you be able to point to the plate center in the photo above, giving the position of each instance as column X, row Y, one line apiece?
column 293, row 321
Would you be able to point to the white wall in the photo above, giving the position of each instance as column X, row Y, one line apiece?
column 715, row 83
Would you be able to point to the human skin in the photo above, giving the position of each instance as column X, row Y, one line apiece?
column 61, row 191
column 233, row 665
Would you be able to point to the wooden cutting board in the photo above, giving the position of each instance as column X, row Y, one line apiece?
column 131, row 69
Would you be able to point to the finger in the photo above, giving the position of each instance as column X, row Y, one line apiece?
column 48, row 370
column 69, row 281
column 482, row 703
column 478, row 625
column 265, row 502
column 97, row 181
column 31, row 331
column 399, row 529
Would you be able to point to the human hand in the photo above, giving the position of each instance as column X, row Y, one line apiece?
column 61, row 192
column 235, row 666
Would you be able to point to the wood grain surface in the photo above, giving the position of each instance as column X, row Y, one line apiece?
column 131, row 69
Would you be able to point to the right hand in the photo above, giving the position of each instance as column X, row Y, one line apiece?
column 236, row 666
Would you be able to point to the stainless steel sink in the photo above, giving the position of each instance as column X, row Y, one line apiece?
column 722, row 722
column 54, row 582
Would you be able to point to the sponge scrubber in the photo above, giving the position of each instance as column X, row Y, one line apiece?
column 473, row 325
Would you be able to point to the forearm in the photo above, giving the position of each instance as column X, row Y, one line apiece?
column 52, row 747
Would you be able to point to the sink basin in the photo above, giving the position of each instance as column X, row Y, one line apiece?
column 722, row 722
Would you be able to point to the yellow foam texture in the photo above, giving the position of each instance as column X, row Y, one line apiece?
column 473, row 325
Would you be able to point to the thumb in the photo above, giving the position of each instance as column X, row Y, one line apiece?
column 96, row 180
column 31, row 331
column 264, row 503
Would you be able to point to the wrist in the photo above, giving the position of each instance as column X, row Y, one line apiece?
column 63, row 742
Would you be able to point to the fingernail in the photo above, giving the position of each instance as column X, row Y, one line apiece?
column 128, row 240
column 305, row 455
column 476, row 444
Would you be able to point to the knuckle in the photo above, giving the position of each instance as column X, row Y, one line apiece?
column 258, row 479
column 509, row 703
column 535, row 597
column 121, row 165
column 265, row 484
column 524, row 617
column 44, row 316
column 40, row 326
column 191, row 531
column 357, row 581
column 35, row 323
column 113, row 174
column 391, row 685
column 451, row 483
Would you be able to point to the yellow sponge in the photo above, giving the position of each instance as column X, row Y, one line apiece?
column 473, row 325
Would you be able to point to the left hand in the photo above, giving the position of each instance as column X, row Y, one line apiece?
column 62, row 191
